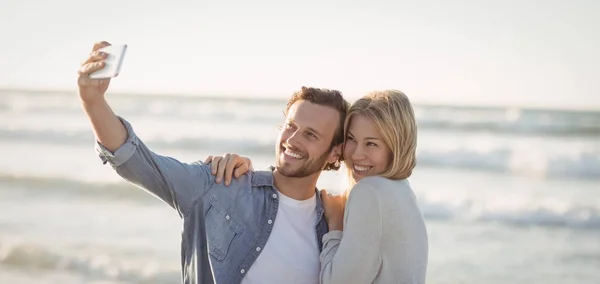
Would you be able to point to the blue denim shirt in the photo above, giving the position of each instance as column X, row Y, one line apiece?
column 232, row 220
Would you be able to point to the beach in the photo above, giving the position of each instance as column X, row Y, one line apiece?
column 509, row 194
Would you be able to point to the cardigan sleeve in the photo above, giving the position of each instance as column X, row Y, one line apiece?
column 356, row 257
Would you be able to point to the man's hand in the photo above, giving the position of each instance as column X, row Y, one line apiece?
column 334, row 209
column 108, row 129
column 227, row 166
column 92, row 90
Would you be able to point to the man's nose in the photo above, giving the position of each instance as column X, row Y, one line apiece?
column 293, row 140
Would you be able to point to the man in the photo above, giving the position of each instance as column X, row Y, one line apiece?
column 265, row 227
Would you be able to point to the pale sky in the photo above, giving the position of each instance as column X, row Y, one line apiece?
column 542, row 52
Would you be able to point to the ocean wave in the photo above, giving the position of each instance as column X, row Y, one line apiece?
column 47, row 135
column 506, row 127
column 519, row 121
column 544, row 215
column 556, row 161
column 511, row 120
column 99, row 266
column 87, row 137
column 537, row 212
column 584, row 164
column 249, row 110
column 39, row 185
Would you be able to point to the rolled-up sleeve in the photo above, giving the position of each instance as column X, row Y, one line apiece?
column 176, row 183
column 123, row 153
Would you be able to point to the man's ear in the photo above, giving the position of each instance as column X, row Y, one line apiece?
column 336, row 154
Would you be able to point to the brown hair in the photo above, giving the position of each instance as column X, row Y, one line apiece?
column 394, row 118
column 328, row 98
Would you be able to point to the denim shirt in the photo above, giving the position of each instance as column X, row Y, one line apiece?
column 230, row 223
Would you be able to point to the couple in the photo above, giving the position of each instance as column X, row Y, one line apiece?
column 272, row 226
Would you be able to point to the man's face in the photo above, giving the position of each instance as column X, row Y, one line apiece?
column 303, row 147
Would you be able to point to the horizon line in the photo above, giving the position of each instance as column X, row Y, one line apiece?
column 273, row 97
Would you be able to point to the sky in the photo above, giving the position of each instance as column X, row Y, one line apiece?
column 537, row 52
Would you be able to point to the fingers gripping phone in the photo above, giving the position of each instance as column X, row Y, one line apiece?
column 114, row 61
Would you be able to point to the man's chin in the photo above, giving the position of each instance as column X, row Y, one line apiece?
column 287, row 171
column 284, row 170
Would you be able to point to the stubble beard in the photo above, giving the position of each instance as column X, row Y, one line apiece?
column 309, row 167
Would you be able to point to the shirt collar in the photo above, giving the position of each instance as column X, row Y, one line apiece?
column 265, row 178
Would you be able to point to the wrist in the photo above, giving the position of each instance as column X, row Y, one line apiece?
column 335, row 226
column 91, row 103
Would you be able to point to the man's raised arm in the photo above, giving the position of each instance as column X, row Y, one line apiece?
column 108, row 129
column 176, row 183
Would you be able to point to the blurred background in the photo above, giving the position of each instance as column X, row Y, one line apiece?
column 506, row 93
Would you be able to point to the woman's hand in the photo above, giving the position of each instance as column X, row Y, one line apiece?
column 227, row 166
column 334, row 210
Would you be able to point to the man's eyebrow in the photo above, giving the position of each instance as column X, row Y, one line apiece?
column 291, row 120
column 314, row 130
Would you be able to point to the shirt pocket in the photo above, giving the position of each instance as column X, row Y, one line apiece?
column 221, row 228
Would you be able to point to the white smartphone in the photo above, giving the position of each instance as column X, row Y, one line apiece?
column 114, row 61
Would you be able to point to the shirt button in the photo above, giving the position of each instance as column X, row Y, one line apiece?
column 243, row 271
column 270, row 222
column 227, row 217
column 257, row 248
column 274, row 195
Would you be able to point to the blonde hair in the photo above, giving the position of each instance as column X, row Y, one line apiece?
column 394, row 118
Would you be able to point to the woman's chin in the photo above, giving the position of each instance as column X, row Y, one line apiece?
column 356, row 176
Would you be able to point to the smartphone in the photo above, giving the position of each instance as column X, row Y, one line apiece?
column 114, row 61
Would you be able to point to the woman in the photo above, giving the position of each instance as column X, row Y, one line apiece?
column 378, row 234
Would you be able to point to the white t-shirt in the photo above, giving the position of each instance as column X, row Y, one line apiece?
column 291, row 254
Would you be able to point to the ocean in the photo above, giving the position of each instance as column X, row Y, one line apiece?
column 510, row 195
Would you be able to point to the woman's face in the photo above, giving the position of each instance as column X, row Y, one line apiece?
column 365, row 152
